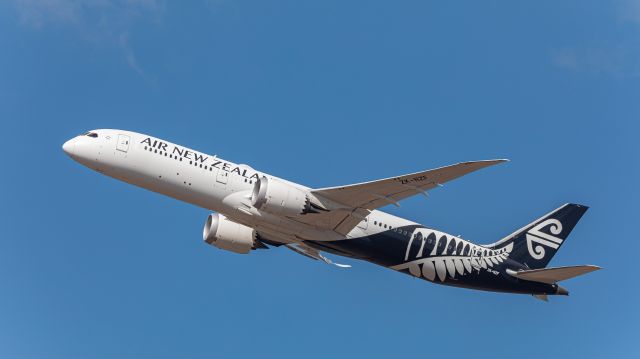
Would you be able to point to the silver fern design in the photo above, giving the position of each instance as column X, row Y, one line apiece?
column 449, row 257
column 535, row 235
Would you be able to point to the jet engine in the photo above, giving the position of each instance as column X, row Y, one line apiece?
column 280, row 198
column 223, row 233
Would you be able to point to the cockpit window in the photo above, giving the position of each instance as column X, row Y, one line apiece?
column 90, row 134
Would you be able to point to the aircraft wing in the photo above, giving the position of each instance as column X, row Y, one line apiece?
column 352, row 203
column 375, row 194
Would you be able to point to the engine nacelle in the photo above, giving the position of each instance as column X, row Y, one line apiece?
column 223, row 233
column 279, row 198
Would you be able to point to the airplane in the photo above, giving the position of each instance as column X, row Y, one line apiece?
column 254, row 210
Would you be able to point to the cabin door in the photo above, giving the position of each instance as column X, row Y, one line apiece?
column 364, row 224
column 222, row 177
column 476, row 259
column 123, row 143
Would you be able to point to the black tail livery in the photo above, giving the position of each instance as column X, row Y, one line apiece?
column 536, row 243
column 515, row 264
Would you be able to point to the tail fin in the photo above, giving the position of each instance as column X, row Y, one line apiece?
column 536, row 243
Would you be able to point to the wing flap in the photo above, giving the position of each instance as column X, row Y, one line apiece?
column 312, row 253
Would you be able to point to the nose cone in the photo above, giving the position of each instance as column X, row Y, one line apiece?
column 69, row 146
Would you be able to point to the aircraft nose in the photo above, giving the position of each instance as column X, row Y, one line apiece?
column 69, row 146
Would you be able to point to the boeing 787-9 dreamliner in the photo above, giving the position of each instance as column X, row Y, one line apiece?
column 255, row 210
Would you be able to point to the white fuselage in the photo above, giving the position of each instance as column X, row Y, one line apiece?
column 201, row 179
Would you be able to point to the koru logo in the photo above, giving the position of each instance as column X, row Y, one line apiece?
column 535, row 235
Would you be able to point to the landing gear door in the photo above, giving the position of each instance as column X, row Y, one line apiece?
column 123, row 143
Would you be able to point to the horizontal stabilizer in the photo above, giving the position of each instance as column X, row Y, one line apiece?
column 553, row 275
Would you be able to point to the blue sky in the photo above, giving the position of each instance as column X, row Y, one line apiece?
column 323, row 93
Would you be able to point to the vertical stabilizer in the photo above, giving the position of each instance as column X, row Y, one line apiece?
column 536, row 243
